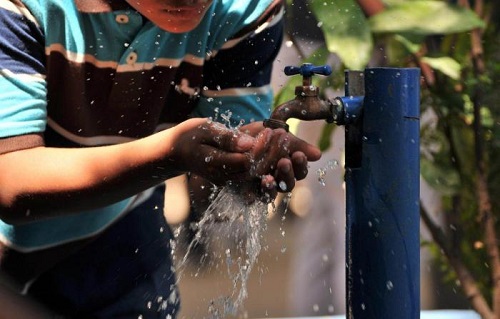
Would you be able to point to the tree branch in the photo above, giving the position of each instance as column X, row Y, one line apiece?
column 467, row 281
column 482, row 192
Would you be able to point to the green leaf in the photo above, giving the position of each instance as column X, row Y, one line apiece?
column 324, row 142
column 425, row 18
column 447, row 65
column 412, row 43
column 346, row 31
column 443, row 179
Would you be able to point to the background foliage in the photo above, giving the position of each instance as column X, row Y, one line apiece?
column 457, row 46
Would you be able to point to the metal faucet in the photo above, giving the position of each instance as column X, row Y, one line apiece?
column 307, row 104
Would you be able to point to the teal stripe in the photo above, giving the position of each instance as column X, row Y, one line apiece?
column 23, row 108
column 61, row 229
column 247, row 108
column 99, row 35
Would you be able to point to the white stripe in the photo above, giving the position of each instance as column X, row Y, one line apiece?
column 271, row 23
column 23, row 77
column 100, row 139
column 78, row 57
column 160, row 62
column 237, row 92
column 231, row 43
column 10, row 6
column 192, row 59
column 88, row 141
column 89, row 58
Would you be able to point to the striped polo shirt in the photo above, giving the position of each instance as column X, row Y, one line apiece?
column 77, row 73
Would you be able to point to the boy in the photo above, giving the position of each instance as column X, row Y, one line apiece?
column 103, row 100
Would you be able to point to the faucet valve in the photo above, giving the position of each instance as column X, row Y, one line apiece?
column 307, row 105
column 307, row 70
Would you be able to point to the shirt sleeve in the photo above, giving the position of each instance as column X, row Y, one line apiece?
column 237, row 79
column 22, row 82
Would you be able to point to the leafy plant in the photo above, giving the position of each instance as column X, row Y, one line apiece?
column 457, row 47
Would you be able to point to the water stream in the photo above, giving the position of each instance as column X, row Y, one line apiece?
column 229, row 216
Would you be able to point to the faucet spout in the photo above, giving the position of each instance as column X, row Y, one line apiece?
column 306, row 106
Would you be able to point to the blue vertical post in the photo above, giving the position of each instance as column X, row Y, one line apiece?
column 382, row 194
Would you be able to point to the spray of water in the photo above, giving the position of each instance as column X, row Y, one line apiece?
column 246, row 221
column 321, row 172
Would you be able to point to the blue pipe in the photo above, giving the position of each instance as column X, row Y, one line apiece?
column 382, row 197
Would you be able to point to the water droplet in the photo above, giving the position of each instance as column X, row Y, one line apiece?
column 389, row 285
column 282, row 185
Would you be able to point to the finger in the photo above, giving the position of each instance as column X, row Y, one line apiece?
column 262, row 143
column 312, row 152
column 219, row 162
column 268, row 188
column 228, row 140
column 270, row 146
column 284, row 175
column 300, row 165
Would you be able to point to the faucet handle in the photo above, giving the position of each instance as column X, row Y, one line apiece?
column 308, row 70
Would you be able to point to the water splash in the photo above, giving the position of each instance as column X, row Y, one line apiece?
column 248, row 221
column 321, row 172
column 226, row 119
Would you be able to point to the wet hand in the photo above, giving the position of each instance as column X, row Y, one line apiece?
column 279, row 158
column 211, row 150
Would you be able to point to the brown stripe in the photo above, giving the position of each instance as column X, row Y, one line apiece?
column 18, row 3
column 17, row 143
column 89, row 101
